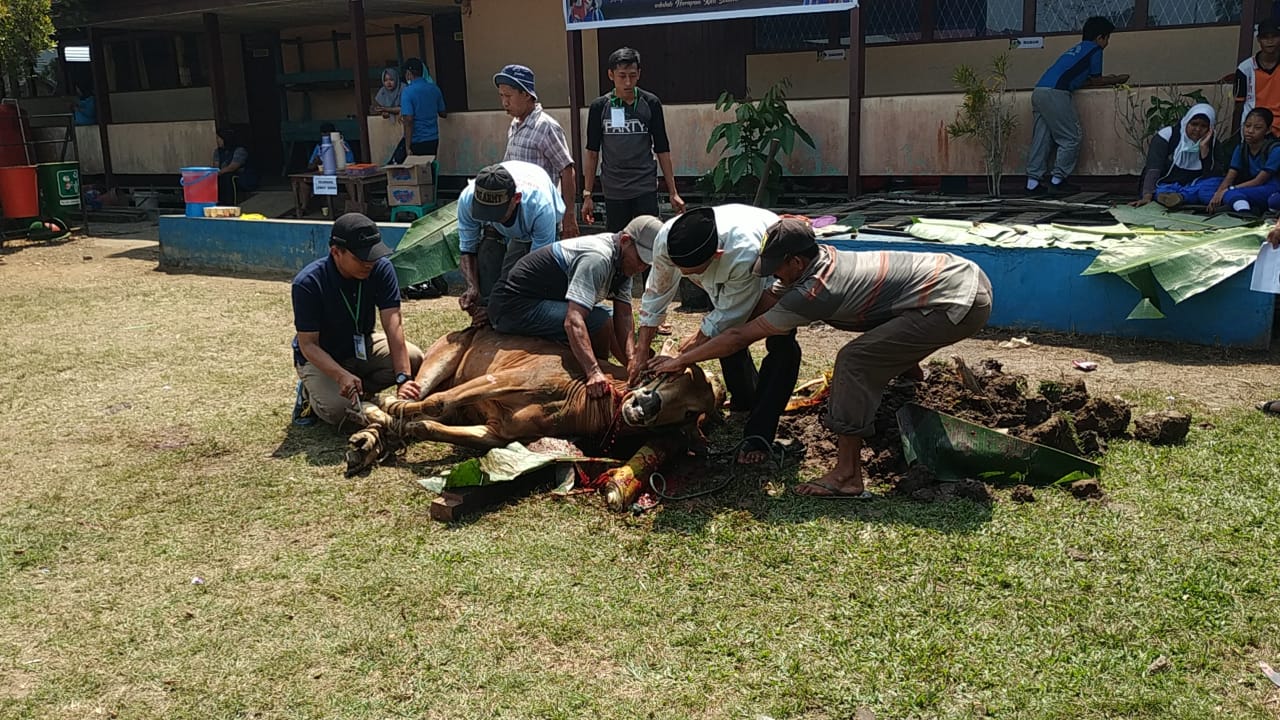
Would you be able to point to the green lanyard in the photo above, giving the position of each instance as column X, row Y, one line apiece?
column 615, row 101
column 355, row 318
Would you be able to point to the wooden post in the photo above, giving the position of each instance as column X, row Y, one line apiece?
column 1248, row 18
column 217, row 71
column 928, row 19
column 101, row 99
column 362, row 77
column 1028, row 17
column 857, row 83
column 1141, row 9
column 574, row 42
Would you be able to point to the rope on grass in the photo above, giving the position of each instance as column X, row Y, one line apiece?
column 658, row 482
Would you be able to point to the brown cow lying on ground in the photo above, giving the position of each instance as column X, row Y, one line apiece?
column 483, row 389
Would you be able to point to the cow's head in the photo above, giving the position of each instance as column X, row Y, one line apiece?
column 673, row 399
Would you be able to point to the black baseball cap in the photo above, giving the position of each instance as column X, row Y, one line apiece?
column 360, row 236
column 1268, row 26
column 693, row 238
column 492, row 195
column 782, row 240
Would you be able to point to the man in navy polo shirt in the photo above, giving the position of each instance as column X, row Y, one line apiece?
column 337, row 355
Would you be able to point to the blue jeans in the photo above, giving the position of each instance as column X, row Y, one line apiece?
column 545, row 318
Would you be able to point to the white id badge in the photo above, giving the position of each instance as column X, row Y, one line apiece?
column 617, row 117
column 359, row 345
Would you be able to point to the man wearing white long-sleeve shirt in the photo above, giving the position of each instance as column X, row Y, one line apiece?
column 716, row 248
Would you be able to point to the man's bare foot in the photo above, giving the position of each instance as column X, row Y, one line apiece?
column 838, row 483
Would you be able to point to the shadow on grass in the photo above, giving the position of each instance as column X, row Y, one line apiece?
column 148, row 253
column 320, row 444
column 1125, row 350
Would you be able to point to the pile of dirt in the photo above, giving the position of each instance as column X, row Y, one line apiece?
column 1059, row 414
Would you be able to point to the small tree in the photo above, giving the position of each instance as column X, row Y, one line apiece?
column 746, row 140
column 26, row 30
column 986, row 114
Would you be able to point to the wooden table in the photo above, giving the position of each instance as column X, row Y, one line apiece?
column 357, row 187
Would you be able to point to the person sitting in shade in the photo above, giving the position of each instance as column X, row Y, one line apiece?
column 1182, row 159
column 906, row 306
column 554, row 292
column 509, row 210
column 234, row 176
column 1253, row 176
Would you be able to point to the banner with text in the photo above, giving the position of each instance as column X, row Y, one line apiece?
column 589, row 14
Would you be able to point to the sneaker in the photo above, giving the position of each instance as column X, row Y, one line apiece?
column 1170, row 200
column 1063, row 188
column 1038, row 191
column 302, row 414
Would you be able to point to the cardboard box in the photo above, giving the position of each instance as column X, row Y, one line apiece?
column 410, row 194
column 415, row 171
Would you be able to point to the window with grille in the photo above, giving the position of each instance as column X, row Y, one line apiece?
column 1162, row 13
column 786, row 33
column 890, row 21
column 977, row 18
column 1064, row 16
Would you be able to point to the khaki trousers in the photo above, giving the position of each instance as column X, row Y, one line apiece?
column 376, row 374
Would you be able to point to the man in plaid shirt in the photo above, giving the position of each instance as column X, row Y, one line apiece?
column 535, row 137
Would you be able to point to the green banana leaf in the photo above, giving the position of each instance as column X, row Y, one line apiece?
column 965, row 232
column 429, row 247
column 1155, row 216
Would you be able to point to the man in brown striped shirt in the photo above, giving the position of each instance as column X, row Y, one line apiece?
column 906, row 305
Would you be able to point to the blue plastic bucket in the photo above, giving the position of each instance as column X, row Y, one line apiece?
column 197, row 209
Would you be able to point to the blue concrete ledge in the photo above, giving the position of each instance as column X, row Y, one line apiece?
column 1042, row 289
column 250, row 246
column 1035, row 289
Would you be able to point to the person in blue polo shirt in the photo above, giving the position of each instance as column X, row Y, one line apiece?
column 509, row 210
column 1054, row 118
column 337, row 355
column 421, row 106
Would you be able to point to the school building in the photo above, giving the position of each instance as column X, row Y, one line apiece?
column 872, row 86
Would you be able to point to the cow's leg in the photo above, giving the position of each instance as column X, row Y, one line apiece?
column 486, row 387
column 440, row 362
column 474, row 436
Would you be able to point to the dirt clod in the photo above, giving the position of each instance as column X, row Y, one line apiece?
column 1023, row 494
column 1166, row 427
column 1086, row 489
column 974, row 490
column 1055, row 433
column 1105, row 416
column 917, row 478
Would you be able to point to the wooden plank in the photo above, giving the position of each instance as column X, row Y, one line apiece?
column 1084, row 197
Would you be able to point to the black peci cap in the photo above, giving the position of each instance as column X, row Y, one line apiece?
column 693, row 238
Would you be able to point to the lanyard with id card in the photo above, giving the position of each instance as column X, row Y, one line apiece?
column 617, row 112
column 357, row 340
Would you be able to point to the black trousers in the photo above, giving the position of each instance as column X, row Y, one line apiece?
column 617, row 213
column 764, row 393
column 427, row 147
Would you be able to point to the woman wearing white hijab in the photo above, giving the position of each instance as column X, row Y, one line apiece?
column 1182, row 158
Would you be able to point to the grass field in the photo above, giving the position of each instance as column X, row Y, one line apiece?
column 146, row 443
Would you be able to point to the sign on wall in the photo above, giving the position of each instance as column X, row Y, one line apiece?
column 589, row 14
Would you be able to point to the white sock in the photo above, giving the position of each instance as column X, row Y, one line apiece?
column 1241, row 206
column 1056, row 180
column 1032, row 183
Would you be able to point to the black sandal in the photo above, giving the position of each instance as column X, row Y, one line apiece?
column 1270, row 407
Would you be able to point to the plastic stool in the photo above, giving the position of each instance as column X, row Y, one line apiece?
column 417, row 210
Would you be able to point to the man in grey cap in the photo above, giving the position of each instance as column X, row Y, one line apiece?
column 535, row 137
column 508, row 210
column 905, row 305
column 715, row 248
column 554, row 293
column 337, row 355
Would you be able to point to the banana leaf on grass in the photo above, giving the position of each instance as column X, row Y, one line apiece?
column 1155, row 216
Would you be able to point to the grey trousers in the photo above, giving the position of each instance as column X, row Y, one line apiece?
column 1055, row 123
column 865, row 365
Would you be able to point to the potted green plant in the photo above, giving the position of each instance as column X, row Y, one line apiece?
column 745, row 154
column 986, row 114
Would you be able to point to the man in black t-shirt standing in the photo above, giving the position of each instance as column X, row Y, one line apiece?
column 628, row 128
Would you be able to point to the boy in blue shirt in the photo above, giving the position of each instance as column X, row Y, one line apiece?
column 1054, row 118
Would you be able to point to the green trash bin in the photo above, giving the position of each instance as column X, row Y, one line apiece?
column 59, row 184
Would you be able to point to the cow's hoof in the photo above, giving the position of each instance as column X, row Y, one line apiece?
column 364, row 448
